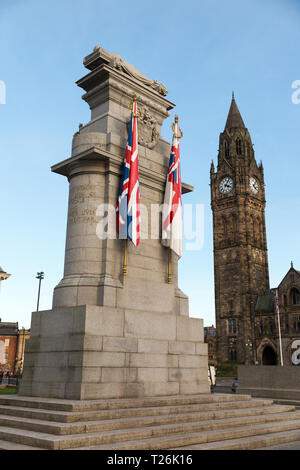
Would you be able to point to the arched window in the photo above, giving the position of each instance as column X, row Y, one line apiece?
column 248, row 149
column 295, row 296
column 232, row 326
column 287, row 325
column 238, row 146
column 271, row 326
column 234, row 228
column 225, row 230
column 252, row 229
column 233, row 355
column 261, row 327
column 226, row 148
column 261, row 233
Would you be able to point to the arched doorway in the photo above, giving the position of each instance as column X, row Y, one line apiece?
column 269, row 356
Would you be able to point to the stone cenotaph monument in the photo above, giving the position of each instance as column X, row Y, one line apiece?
column 110, row 335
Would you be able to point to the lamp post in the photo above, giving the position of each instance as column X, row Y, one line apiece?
column 23, row 347
column 249, row 345
column 252, row 310
column 39, row 276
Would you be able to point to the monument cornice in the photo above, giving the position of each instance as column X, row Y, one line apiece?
column 94, row 154
column 100, row 56
column 105, row 75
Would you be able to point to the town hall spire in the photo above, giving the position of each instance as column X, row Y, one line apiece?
column 234, row 119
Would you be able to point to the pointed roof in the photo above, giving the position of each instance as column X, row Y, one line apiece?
column 234, row 118
column 290, row 270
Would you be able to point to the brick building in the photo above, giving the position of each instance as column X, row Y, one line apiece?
column 9, row 334
column 12, row 347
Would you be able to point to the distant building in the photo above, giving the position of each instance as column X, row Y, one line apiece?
column 210, row 337
column 240, row 243
column 8, row 346
column 266, row 340
column 12, row 346
column 24, row 335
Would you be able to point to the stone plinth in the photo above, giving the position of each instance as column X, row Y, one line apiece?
column 278, row 382
column 95, row 352
column 109, row 335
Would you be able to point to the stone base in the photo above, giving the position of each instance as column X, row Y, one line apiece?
column 91, row 352
column 277, row 382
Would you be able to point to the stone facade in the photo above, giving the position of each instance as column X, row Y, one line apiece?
column 8, row 346
column 275, row 382
column 12, row 347
column 266, row 322
column 110, row 335
column 240, row 245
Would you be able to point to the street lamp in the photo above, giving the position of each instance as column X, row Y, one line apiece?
column 249, row 345
column 39, row 276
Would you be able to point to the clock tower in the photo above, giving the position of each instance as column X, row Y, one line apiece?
column 240, row 245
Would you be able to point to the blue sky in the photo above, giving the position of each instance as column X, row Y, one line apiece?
column 201, row 50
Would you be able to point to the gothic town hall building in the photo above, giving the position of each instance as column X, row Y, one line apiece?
column 247, row 327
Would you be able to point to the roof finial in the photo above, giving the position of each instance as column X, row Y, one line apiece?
column 292, row 264
column 233, row 95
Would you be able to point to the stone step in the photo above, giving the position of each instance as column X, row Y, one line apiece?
column 223, row 439
column 111, row 404
column 283, row 401
column 51, row 427
column 158, row 437
column 6, row 445
column 67, row 417
column 262, row 442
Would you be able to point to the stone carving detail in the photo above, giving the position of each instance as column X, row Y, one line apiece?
column 148, row 129
column 115, row 60
column 118, row 63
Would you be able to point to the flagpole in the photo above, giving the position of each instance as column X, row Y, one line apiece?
column 279, row 328
column 169, row 266
column 177, row 134
column 125, row 258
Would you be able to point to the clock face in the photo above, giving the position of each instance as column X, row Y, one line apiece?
column 226, row 185
column 254, row 185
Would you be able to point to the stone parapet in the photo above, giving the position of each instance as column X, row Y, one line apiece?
column 278, row 382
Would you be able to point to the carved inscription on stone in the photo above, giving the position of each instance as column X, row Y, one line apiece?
column 79, row 211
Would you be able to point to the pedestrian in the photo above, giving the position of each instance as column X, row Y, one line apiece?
column 234, row 385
